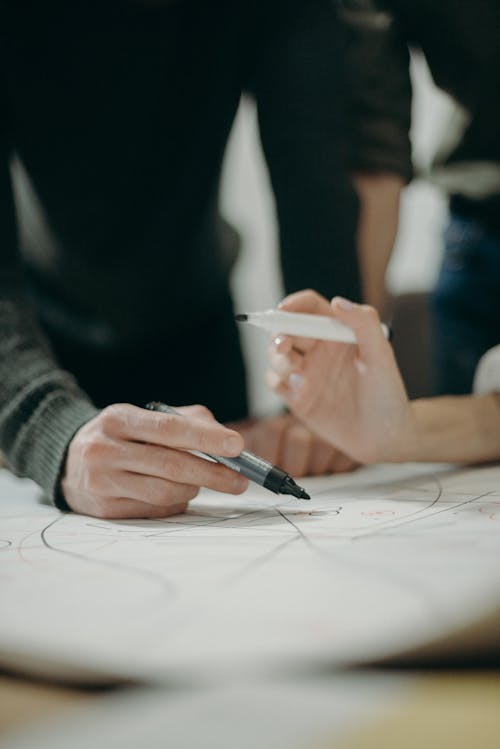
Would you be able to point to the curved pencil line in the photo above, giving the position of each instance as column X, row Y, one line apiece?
column 150, row 576
column 259, row 561
column 384, row 525
column 398, row 581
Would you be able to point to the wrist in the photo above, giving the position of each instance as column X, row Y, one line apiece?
column 406, row 442
column 457, row 429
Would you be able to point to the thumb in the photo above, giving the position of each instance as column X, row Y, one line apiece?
column 365, row 322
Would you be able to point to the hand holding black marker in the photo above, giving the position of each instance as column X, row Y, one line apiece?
column 254, row 468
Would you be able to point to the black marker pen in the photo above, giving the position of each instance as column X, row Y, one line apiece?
column 254, row 468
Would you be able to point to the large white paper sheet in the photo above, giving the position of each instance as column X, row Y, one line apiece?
column 377, row 563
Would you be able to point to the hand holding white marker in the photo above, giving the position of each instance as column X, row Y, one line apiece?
column 350, row 395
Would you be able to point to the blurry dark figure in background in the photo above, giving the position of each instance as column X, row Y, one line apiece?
column 114, row 267
column 461, row 42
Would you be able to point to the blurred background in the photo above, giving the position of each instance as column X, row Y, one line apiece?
column 247, row 203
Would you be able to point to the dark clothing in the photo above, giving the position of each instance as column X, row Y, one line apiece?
column 379, row 102
column 204, row 362
column 461, row 42
column 465, row 304
column 119, row 113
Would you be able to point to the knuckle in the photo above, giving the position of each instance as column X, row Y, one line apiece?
column 111, row 418
column 91, row 450
column 369, row 312
column 205, row 441
column 97, row 449
column 203, row 411
column 165, row 423
column 311, row 293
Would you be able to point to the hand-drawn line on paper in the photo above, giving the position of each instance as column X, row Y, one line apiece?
column 449, row 508
column 363, row 531
column 259, row 561
column 181, row 526
column 406, row 582
column 108, row 532
column 22, row 545
column 257, row 515
column 168, row 587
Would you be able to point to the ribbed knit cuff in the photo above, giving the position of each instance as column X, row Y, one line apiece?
column 48, row 433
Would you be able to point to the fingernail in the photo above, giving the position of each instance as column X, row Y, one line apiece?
column 278, row 341
column 232, row 444
column 295, row 383
column 344, row 303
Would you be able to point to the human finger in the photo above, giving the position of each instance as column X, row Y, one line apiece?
column 285, row 364
column 164, row 464
column 365, row 323
column 295, row 450
column 196, row 412
column 308, row 302
column 142, row 488
column 125, row 421
column 115, row 508
column 282, row 344
column 322, row 457
column 342, row 463
column 265, row 437
column 276, row 383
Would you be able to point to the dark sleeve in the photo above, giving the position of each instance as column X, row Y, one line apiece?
column 300, row 90
column 41, row 406
column 379, row 89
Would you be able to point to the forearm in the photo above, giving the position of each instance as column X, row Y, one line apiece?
column 463, row 429
column 41, row 406
column 379, row 196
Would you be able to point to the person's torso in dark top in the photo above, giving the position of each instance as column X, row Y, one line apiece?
column 120, row 114
column 461, row 41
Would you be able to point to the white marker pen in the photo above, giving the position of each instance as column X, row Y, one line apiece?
column 302, row 325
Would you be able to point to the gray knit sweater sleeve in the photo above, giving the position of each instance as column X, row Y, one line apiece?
column 41, row 406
